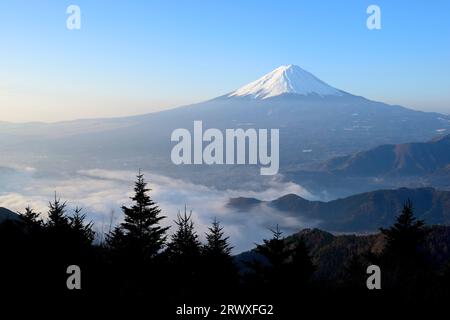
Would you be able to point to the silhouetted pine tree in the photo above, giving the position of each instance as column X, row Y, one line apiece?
column 57, row 218
column 218, row 264
column 115, row 240
column 217, row 245
column 274, row 249
column 184, row 243
column 59, row 248
column 402, row 259
column 276, row 253
column 31, row 254
column 142, row 232
column 286, row 264
column 117, row 265
column 183, row 253
column 406, row 235
column 83, row 232
column 301, row 267
column 30, row 217
column 135, row 244
column 57, row 231
column 32, row 226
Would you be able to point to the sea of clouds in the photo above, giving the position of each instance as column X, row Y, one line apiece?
column 101, row 193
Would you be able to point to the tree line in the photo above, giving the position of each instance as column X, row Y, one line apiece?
column 140, row 260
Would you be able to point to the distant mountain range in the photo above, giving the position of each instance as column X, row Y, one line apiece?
column 415, row 164
column 365, row 212
column 401, row 159
column 317, row 122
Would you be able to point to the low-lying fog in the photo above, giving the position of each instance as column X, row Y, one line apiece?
column 101, row 193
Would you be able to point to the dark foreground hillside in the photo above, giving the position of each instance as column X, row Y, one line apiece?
column 332, row 254
column 141, row 267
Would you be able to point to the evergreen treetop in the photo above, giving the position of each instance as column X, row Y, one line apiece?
column 406, row 235
column 217, row 245
column 30, row 217
column 57, row 214
column 184, row 242
column 141, row 228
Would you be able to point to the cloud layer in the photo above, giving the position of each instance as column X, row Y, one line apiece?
column 102, row 193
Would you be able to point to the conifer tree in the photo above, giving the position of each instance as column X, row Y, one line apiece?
column 83, row 232
column 217, row 245
column 30, row 217
column 184, row 256
column 115, row 239
column 301, row 265
column 57, row 218
column 142, row 231
column 274, row 249
column 276, row 254
column 406, row 235
column 184, row 242
column 58, row 244
column 135, row 244
column 402, row 258
column 218, row 264
column 287, row 263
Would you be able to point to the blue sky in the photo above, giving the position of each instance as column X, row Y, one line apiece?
column 133, row 57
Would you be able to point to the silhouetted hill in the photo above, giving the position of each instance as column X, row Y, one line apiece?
column 364, row 212
column 6, row 214
column 243, row 203
column 331, row 254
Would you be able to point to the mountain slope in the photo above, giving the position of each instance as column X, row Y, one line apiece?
column 401, row 159
column 288, row 79
column 412, row 165
column 365, row 212
column 316, row 122
column 6, row 214
column 332, row 254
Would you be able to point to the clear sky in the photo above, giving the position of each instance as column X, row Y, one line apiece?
column 132, row 57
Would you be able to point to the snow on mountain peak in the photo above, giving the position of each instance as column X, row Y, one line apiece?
column 286, row 79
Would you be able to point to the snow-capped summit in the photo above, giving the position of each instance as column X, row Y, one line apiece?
column 286, row 79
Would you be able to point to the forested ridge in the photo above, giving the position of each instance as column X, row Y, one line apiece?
column 139, row 260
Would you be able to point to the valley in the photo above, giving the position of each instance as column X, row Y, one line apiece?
column 350, row 161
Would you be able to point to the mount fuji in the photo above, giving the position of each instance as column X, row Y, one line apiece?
column 316, row 121
column 287, row 79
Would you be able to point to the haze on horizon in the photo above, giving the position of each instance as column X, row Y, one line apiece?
column 132, row 58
